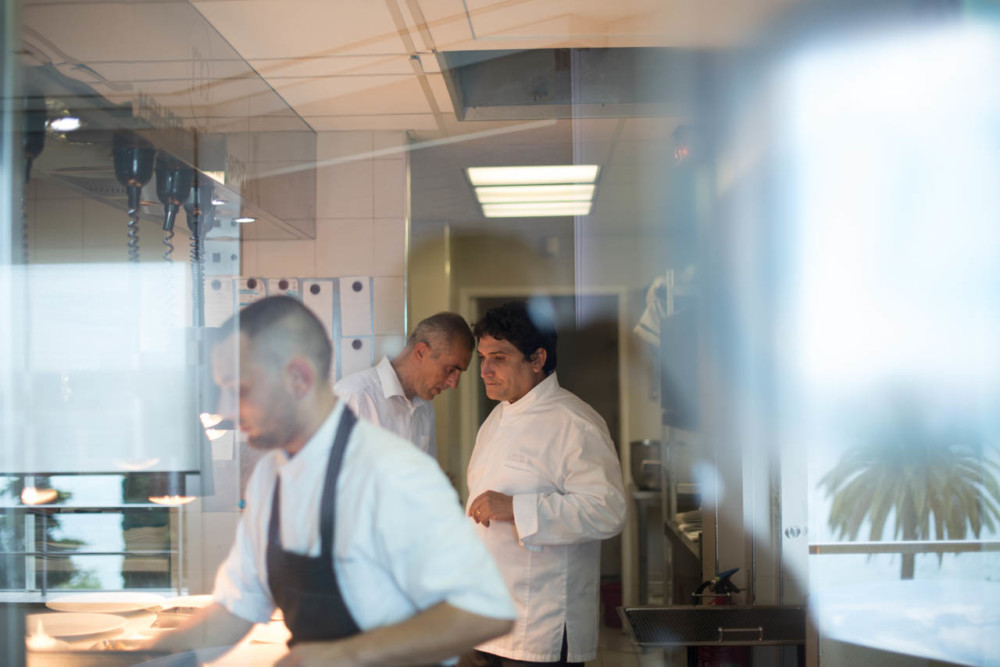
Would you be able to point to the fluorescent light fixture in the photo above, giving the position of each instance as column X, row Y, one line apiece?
column 244, row 220
column 498, row 194
column 536, row 209
column 65, row 124
column 566, row 173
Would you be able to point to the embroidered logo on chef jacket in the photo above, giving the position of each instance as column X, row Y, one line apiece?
column 519, row 460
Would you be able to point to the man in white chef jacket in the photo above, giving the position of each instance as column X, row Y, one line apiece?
column 545, row 487
column 352, row 532
column 397, row 393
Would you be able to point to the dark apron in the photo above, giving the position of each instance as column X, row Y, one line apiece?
column 306, row 588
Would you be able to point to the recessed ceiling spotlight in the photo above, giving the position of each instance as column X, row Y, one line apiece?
column 218, row 202
column 65, row 124
column 244, row 220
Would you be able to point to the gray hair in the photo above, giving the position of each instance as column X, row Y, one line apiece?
column 449, row 328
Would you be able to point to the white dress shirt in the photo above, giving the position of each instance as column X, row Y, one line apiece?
column 401, row 542
column 553, row 454
column 377, row 395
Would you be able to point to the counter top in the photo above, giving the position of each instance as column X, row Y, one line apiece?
column 263, row 645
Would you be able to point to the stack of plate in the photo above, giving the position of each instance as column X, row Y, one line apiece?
column 115, row 602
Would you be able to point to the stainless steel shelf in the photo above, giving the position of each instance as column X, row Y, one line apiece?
column 672, row 529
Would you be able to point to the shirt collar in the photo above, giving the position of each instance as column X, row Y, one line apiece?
column 540, row 391
column 391, row 386
column 318, row 444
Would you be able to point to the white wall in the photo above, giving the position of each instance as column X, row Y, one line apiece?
column 66, row 227
column 361, row 220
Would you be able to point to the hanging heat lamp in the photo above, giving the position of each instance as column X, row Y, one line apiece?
column 133, row 157
column 173, row 188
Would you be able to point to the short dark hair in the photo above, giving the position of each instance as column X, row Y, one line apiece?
column 283, row 325
column 524, row 327
column 451, row 327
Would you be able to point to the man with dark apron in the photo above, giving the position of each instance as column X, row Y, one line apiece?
column 355, row 534
column 305, row 588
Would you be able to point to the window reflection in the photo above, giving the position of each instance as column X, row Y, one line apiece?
column 101, row 533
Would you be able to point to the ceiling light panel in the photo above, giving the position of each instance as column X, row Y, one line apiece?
column 498, row 194
column 567, row 173
column 536, row 209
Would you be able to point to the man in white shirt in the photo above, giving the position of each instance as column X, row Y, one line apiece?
column 545, row 487
column 354, row 534
column 396, row 394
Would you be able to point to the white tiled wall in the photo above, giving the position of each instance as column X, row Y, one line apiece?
column 65, row 226
column 361, row 209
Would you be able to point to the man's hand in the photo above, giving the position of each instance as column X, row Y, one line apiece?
column 492, row 506
column 432, row 635
column 318, row 653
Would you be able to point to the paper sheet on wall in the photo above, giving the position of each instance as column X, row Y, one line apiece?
column 355, row 355
column 355, row 306
column 318, row 295
column 250, row 290
column 219, row 301
column 286, row 286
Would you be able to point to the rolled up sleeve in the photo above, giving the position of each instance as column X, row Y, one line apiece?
column 590, row 504
column 431, row 547
column 238, row 585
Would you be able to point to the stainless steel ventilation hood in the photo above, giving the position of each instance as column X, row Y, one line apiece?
column 575, row 83
column 192, row 96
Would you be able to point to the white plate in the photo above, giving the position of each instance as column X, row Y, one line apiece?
column 73, row 625
column 187, row 602
column 115, row 602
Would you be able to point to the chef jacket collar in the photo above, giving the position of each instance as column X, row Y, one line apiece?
column 540, row 391
column 315, row 449
column 391, row 386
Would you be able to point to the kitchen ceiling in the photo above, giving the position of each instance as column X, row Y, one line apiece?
column 350, row 64
column 346, row 65
column 364, row 64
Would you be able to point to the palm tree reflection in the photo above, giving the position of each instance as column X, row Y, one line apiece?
column 936, row 483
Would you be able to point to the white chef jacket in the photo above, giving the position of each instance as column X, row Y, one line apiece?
column 553, row 454
column 377, row 395
column 401, row 541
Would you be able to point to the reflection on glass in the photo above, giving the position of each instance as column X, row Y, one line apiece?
column 934, row 483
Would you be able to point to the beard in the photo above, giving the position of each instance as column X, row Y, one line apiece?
column 278, row 428
column 265, row 441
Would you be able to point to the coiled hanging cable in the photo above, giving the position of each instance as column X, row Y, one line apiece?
column 133, row 235
column 24, row 230
column 199, row 209
column 167, row 241
column 133, row 158
column 34, row 119
column 173, row 187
